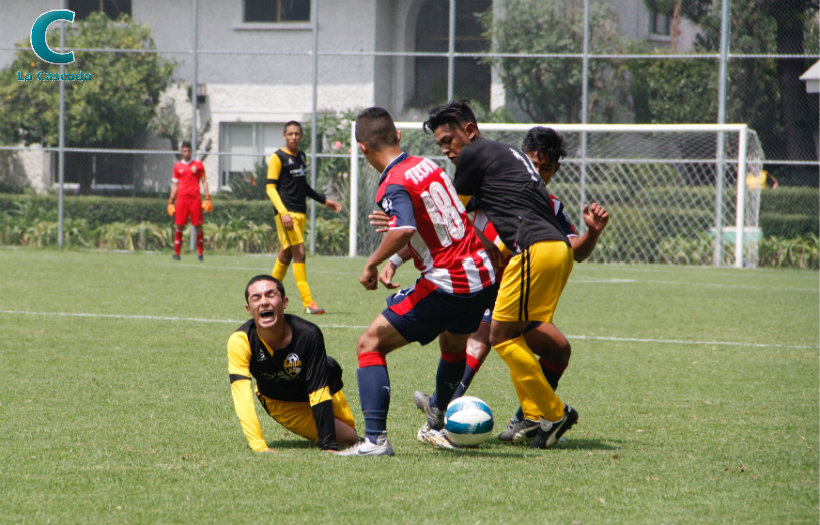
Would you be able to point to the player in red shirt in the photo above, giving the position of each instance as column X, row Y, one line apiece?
column 457, row 280
column 188, row 175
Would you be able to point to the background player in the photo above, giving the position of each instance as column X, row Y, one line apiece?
column 287, row 188
column 188, row 175
column 456, row 285
column 298, row 384
column 506, row 187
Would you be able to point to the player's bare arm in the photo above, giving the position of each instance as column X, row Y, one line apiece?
column 596, row 219
column 393, row 241
column 389, row 270
column 333, row 205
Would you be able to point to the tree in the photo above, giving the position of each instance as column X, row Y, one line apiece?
column 550, row 90
column 764, row 92
column 167, row 124
column 111, row 109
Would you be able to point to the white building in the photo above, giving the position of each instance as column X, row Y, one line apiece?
column 255, row 70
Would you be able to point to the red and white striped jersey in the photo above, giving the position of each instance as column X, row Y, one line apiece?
column 416, row 193
column 561, row 215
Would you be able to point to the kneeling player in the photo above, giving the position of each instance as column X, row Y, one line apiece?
column 298, row 384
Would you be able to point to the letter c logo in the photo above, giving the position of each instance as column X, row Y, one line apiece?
column 38, row 36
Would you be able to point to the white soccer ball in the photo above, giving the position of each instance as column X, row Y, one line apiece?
column 468, row 421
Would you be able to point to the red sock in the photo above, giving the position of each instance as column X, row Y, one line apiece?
column 199, row 242
column 177, row 241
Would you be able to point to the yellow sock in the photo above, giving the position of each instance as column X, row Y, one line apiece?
column 300, row 274
column 279, row 270
column 527, row 372
column 528, row 406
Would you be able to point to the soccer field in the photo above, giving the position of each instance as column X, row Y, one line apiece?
column 697, row 390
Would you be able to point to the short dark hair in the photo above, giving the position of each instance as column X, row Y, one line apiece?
column 185, row 144
column 265, row 277
column 455, row 113
column 375, row 128
column 291, row 123
column 545, row 141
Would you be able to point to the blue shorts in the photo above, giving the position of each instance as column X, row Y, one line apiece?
column 420, row 313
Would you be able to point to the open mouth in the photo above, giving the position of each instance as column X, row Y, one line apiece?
column 266, row 314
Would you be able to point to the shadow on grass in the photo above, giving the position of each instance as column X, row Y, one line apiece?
column 490, row 449
column 497, row 449
column 293, row 443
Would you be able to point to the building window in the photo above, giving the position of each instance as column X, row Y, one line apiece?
column 471, row 79
column 277, row 10
column 248, row 144
column 113, row 9
column 659, row 24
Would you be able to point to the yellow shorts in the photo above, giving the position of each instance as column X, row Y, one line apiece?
column 532, row 283
column 288, row 238
column 298, row 417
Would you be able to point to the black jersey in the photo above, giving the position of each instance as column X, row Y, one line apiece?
column 291, row 181
column 301, row 371
column 506, row 186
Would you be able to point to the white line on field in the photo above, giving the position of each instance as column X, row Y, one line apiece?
column 756, row 287
column 362, row 327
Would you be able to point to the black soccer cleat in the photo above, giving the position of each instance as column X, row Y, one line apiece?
column 548, row 437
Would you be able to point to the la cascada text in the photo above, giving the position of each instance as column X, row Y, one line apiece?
column 45, row 76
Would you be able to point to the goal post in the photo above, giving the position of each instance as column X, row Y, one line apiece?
column 672, row 198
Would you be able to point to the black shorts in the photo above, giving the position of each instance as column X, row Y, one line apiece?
column 420, row 313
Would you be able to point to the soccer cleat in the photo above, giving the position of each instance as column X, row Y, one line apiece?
column 314, row 309
column 435, row 417
column 200, row 258
column 435, row 438
column 365, row 447
column 550, row 432
column 175, row 257
column 519, row 430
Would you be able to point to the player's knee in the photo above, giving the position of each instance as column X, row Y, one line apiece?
column 478, row 348
column 367, row 343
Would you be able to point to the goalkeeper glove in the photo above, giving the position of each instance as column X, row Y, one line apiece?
column 207, row 205
column 171, row 208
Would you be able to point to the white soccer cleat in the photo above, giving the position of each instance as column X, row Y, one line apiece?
column 432, row 437
column 365, row 447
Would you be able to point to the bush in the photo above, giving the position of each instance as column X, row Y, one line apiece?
column 800, row 252
column 698, row 250
column 790, row 212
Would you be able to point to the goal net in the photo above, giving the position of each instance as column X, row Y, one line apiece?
column 676, row 193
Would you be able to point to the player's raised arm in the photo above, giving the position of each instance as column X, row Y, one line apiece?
column 596, row 219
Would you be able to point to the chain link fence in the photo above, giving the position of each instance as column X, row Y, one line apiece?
column 241, row 72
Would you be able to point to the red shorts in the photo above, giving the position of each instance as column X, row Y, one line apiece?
column 188, row 207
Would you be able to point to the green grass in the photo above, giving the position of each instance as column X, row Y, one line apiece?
column 697, row 390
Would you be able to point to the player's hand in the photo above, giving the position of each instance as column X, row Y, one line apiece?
column 287, row 221
column 333, row 205
column 171, row 209
column 386, row 276
column 207, row 206
column 369, row 278
column 379, row 220
column 595, row 217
